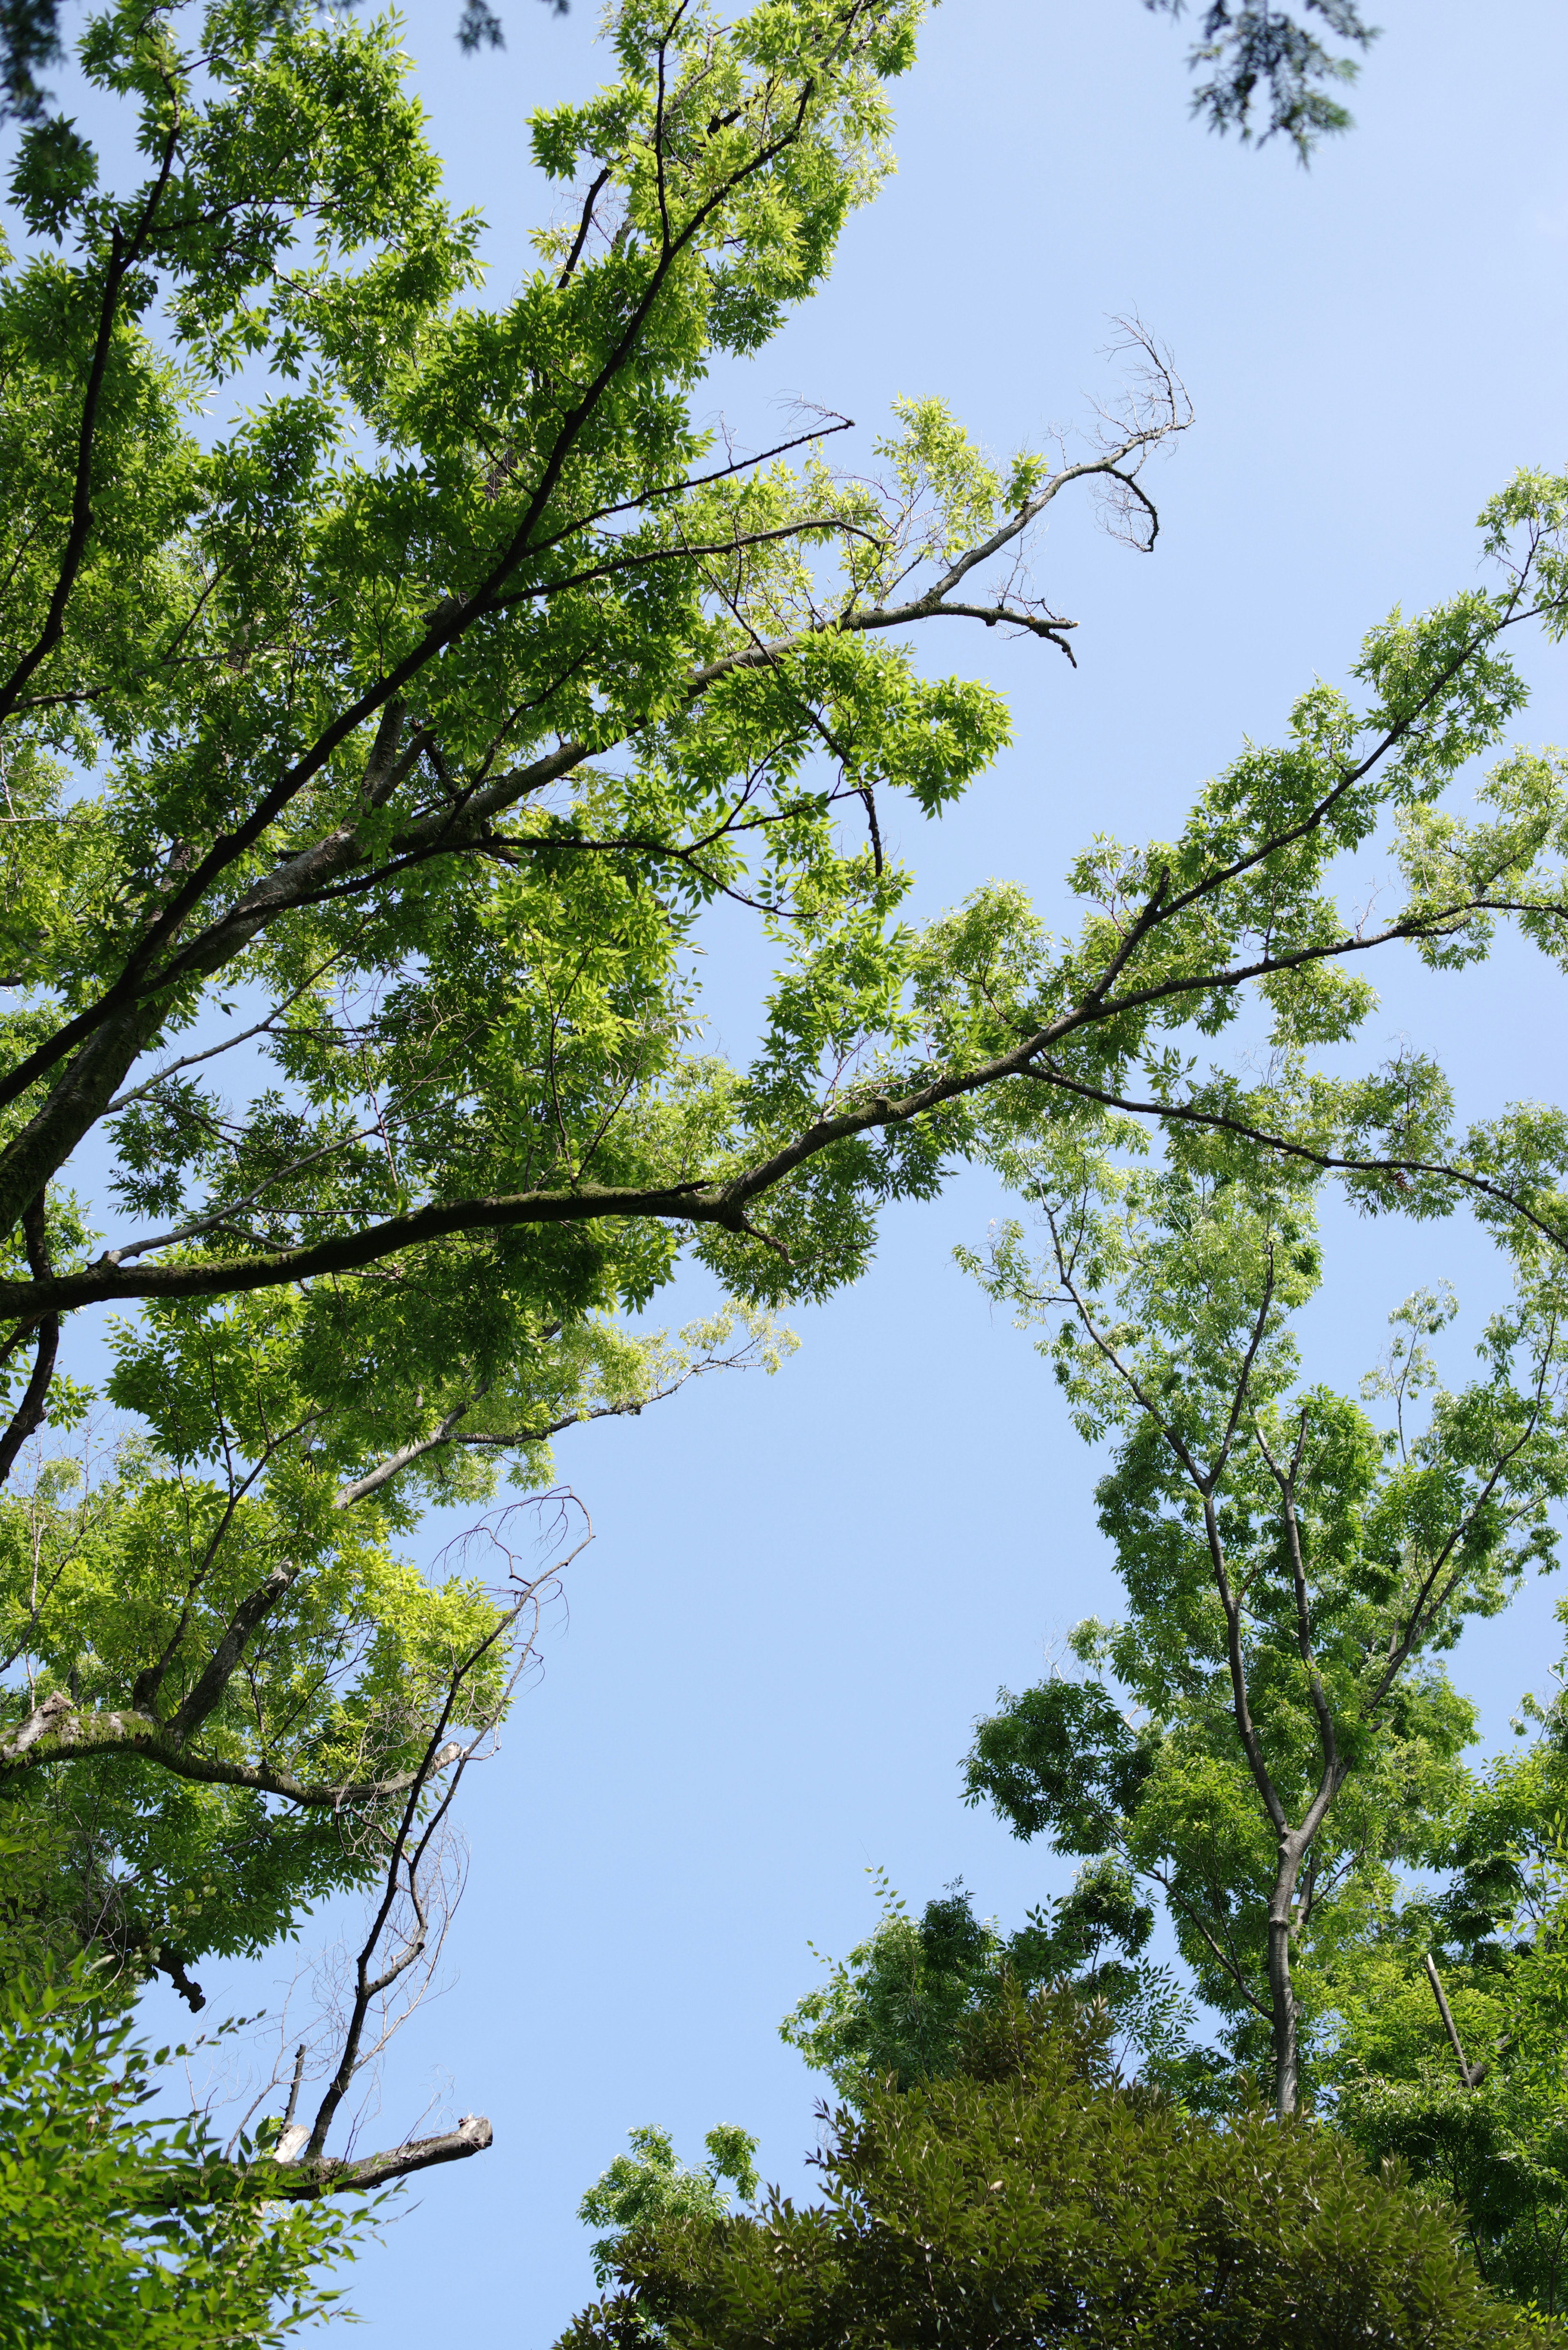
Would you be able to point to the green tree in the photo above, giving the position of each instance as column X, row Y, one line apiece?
column 214, row 765
column 1275, row 1733
column 1030, row 2197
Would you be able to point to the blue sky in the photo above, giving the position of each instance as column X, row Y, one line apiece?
column 804, row 1590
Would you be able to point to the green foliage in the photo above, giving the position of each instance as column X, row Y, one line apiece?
column 399, row 726
column 1032, row 2199
column 1292, row 1570
column 898, row 2008
column 119, row 1589
column 1494, row 1918
column 110, row 2232
column 390, row 684
column 893, row 2009
column 1250, row 46
column 649, row 2189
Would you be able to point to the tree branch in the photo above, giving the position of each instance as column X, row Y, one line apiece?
column 1444, row 1171
column 1469, row 2074
column 209, row 1690
column 29, row 1414
column 299, row 2182
column 125, row 256
column 55, row 1733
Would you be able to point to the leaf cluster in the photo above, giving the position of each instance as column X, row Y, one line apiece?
column 109, row 2228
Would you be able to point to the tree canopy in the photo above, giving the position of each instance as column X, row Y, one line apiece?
column 390, row 686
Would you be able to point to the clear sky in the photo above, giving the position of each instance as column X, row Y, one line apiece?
column 804, row 1590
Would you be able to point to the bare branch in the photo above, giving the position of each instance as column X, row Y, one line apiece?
column 301, row 2182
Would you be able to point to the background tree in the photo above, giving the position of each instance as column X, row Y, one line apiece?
column 1293, row 1573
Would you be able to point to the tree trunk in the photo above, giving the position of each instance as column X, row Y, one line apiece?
column 1282, row 1996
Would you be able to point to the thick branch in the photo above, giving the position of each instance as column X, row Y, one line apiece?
column 54, row 1732
column 209, row 1690
column 299, row 2182
column 28, row 1416
column 225, row 1276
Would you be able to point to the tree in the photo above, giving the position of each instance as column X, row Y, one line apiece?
column 228, row 638
column 1275, row 1731
column 231, row 1696
column 1032, row 2199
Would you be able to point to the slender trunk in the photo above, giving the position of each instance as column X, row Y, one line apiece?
column 1282, row 1994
